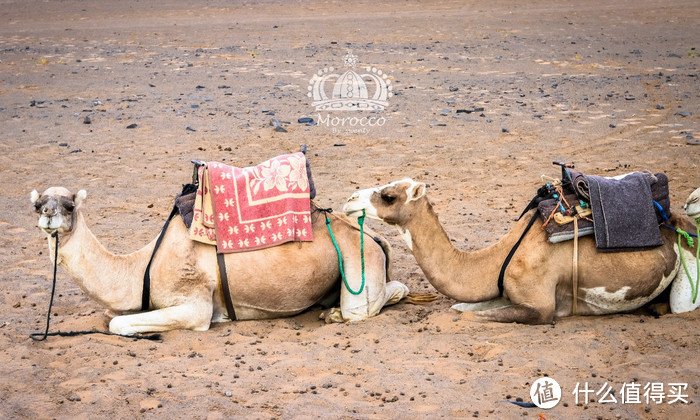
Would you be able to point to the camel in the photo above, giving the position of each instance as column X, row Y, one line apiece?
column 682, row 290
column 185, row 290
column 692, row 205
column 538, row 280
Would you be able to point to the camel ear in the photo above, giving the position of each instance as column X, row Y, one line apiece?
column 34, row 196
column 79, row 197
column 415, row 191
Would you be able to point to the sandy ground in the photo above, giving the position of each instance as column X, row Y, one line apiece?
column 612, row 87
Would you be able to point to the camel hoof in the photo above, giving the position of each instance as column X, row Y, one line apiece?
column 334, row 315
column 110, row 314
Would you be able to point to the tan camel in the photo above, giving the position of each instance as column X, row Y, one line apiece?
column 538, row 280
column 185, row 289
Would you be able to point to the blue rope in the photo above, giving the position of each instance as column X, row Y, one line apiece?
column 665, row 218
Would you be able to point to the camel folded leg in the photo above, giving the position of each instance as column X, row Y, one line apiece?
column 481, row 306
column 681, row 297
column 193, row 316
column 356, row 308
column 516, row 313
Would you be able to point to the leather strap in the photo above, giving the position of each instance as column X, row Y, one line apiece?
column 146, row 295
column 501, row 275
column 221, row 263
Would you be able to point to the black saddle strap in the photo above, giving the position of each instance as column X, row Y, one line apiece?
column 512, row 252
column 224, row 286
column 146, row 295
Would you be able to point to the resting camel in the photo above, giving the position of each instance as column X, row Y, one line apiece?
column 538, row 280
column 681, row 290
column 185, row 291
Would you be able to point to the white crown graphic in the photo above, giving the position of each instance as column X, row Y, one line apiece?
column 350, row 91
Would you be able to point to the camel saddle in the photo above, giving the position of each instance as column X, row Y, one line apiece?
column 624, row 213
column 185, row 206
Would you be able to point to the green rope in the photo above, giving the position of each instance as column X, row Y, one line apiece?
column 361, row 222
column 681, row 234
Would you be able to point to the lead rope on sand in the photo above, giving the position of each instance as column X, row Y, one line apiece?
column 46, row 333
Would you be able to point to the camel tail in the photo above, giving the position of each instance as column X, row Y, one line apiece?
column 420, row 298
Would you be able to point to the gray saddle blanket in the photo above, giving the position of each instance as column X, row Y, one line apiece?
column 624, row 215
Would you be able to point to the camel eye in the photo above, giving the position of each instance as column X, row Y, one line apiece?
column 70, row 207
column 388, row 198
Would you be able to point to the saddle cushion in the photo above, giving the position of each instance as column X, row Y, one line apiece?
column 623, row 212
column 255, row 207
column 629, row 221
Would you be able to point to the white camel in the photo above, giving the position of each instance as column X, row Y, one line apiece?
column 185, row 288
column 682, row 288
column 538, row 280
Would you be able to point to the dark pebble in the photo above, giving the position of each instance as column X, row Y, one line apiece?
column 305, row 120
column 612, row 126
column 151, row 85
column 87, row 120
column 134, row 125
column 200, row 87
column 660, row 107
column 280, row 129
column 505, row 130
column 684, row 114
column 629, row 97
column 63, row 144
column 454, row 88
column 76, row 151
column 694, row 143
column 188, row 128
column 339, row 144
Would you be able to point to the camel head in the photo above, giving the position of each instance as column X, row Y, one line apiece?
column 692, row 205
column 56, row 208
column 392, row 203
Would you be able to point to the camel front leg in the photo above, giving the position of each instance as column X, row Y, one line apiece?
column 191, row 316
column 394, row 292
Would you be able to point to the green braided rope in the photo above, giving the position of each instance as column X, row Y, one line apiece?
column 681, row 234
column 361, row 222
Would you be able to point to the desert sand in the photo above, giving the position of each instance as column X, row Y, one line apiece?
column 118, row 97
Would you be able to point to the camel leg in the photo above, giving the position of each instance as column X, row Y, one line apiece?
column 516, row 313
column 481, row 306
column 376, row 294
column 193, row 316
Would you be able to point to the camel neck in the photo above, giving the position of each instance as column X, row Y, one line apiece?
column 462, row 275
column 114, row 281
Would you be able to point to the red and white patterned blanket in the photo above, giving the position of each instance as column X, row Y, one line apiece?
column 243, row 209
